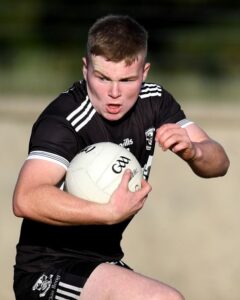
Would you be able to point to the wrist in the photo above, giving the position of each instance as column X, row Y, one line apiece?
column 105, row 214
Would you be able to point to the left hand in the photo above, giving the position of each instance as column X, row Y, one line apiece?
column 175, row 138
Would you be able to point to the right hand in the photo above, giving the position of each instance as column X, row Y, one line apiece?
column 123, row 203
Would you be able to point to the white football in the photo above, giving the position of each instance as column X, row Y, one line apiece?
column 95, row 173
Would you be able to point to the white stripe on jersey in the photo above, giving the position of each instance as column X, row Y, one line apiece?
column 67, row 291
column 150, row 90
column 86, row 120
column 76, row 111
column 82, row 115
column 50, row 157
column 150, row 95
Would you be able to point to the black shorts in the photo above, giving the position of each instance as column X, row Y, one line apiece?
column 64, row 281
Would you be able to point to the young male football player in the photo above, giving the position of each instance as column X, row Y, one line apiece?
column 69, row 248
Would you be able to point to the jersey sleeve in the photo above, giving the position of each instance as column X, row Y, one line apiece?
column 170, row 110
column 53, row 139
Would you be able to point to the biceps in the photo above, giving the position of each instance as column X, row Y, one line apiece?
column 34, row 175
column 38, row 172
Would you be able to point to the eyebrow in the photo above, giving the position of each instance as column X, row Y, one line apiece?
column 108, row 78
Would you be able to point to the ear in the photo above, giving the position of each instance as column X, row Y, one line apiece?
column 85, row 65
column 146, row 70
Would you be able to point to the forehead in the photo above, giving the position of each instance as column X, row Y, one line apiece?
column 116, row 70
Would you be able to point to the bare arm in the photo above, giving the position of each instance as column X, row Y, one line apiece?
column 37, row 197
column 205, row 156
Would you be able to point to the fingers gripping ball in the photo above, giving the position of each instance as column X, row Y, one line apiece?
column 96, row 171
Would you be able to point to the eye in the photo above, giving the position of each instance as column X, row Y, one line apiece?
column 103, row 78
column 128, row 79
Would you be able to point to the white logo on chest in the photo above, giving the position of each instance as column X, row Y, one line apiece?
column 126, row 142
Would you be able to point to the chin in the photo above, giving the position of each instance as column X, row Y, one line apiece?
column 112, row 117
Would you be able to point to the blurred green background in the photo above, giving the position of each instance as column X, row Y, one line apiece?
column 194, row 45
column 189, row 226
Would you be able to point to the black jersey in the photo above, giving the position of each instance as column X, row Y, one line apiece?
column 65, row 127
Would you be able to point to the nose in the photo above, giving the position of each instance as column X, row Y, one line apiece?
column 114, row 90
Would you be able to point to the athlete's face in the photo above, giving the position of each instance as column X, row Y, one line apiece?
column 113, row 87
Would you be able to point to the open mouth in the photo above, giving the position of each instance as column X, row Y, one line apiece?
column 113, row 108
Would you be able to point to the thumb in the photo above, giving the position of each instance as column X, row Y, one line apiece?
column 127, row 175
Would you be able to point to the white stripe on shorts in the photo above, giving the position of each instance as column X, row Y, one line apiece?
column 67, row 291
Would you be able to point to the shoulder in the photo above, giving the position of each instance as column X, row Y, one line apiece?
column 155, row 92
column 156, row 100
column 156, row 96
column 72, row 108
column 149, row 90
column 54, row 132
column 66, row 102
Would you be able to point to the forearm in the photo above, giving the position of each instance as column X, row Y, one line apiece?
column 37, row 197
column 210, row 159
column 51, row 205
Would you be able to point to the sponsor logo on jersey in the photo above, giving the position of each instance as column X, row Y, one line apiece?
column 149, row 133
column 126, row 142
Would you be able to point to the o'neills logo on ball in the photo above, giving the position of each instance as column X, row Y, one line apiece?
column 120, row 164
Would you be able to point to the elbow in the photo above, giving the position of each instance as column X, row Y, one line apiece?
column 222, row 169
column 225, row 167
column 17, row 213
column 219, row 170
column 17, row 210
column 18, row 206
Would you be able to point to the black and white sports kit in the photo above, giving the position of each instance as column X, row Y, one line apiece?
column 53, row 262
